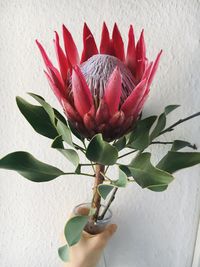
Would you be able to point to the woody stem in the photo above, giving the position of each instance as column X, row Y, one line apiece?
column 96, row 200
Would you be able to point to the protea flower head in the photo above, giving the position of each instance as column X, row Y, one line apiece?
column 104, row 90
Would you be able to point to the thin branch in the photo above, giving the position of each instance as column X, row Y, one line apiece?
column 127, row 154
column 160, row 142
column 79, row 147
column 108, row 204
column 87, row 164
column 106, row 177
column 82, row 173
column 107, row 169
column 170, row 128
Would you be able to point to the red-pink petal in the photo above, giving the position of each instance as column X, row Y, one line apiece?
column 118, row 43
column 46, row 59
column 70, row 48
column 141, row 104
column 57, row 80
column 54, row 88
column 140, row 57
column 141, row 47
column 62, row 60
column 154, row 68
column 72, row 114
column 147, row 71
column 102, row 114
column 105, row 40
column 89, row 121
column 130, row 105
column 131, row 52
column 81, row 93
column 113, row 91
column 89, row 45
column 117, row 119
column 48, row 64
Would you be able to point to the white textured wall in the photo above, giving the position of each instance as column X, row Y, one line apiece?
column 155, row 229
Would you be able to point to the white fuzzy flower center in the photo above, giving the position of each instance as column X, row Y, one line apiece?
column 97, row 71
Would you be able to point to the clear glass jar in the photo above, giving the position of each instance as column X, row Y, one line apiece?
column 93, row 227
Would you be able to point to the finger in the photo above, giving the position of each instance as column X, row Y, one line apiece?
column 108, row 232
column 83, row 211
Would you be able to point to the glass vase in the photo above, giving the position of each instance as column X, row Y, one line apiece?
column 95, row 227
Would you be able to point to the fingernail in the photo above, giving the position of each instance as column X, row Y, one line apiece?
column 114, row 228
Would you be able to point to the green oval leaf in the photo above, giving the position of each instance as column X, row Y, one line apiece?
column 148, row 176
column 70, row 154
column 122, row 180
column 75, row 132
column 179, row 144
column 37, row 117
column 139, row 138
column 161, row 123
column 175, row 161
column 104, row 190
column 29, row 167
column 65, row 132
column 170, row 108
column 56, row 119
column 101, row 151
column 49, row 110
column 120, row 143
column 63, row 253
column 126, row 170
column 74, row 228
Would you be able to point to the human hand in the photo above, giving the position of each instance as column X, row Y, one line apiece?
column 87, row 252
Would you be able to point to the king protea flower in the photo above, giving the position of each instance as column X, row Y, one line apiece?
column 103, row 91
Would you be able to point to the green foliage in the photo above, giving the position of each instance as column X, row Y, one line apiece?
column 140, row 137
column 63, row 253
column 148, row 176
column 48, row 122
column 49, row 110
column 29, row 167
column 64, row 131
column 175, row 161
column 37, row 117
column 70, row 154
column 120, row 143
column 104, row 190
column 161, row 123
column 122, row 180
column 179, row 144
column 101, row 151
column 74, row 228
column 75, row 132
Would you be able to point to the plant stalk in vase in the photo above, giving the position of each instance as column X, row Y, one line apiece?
column 102, row 93
column 96, row 200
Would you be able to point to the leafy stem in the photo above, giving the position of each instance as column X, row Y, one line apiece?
column 106, row 177
column 171, row 128
column 126, row 154
column 79, row 148
column 82, row 173
column 108, row 204
column 161, row 143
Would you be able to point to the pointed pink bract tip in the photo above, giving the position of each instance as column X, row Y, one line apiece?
column 131, row 27
column 38, row 43
column 56, row 34
column 85, row 26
